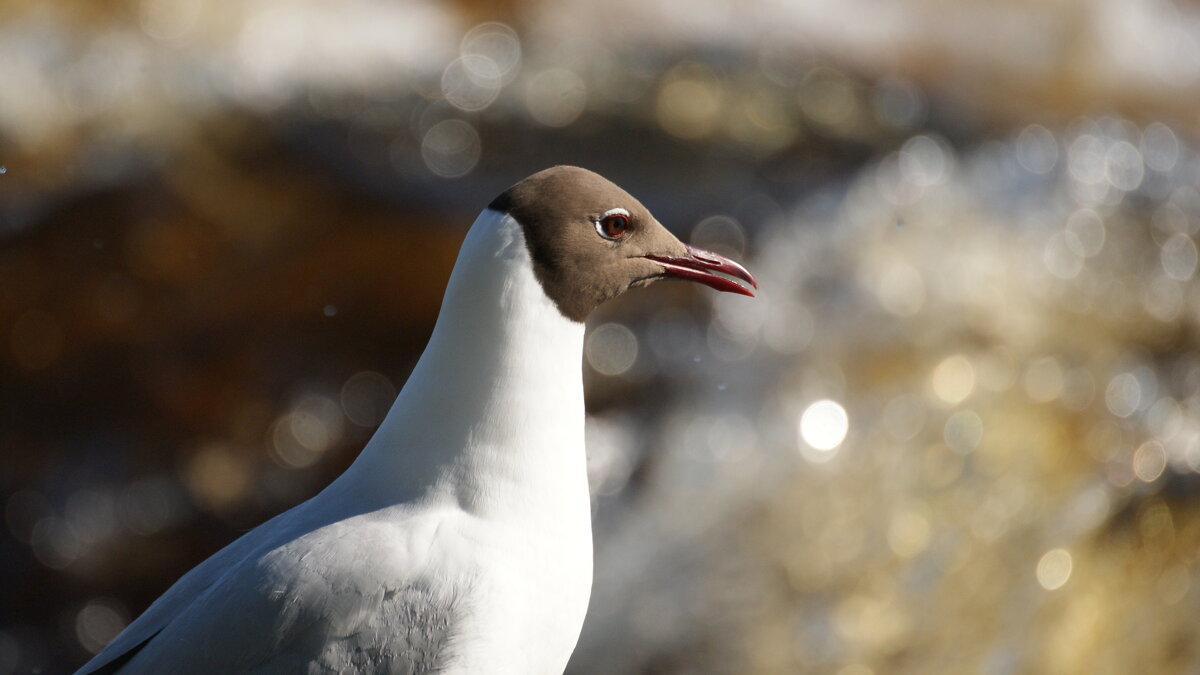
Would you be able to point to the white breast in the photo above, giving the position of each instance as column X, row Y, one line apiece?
column 490, row 426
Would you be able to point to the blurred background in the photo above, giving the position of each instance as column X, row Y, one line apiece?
column 959, row 430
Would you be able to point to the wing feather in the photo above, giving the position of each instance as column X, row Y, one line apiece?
column 366, row 593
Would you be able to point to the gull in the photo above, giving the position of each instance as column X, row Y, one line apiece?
column 459, row 540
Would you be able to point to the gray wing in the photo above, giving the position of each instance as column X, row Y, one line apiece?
column 175, row 600
column 354, row 595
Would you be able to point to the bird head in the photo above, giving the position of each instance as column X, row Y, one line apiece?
column 590, row 241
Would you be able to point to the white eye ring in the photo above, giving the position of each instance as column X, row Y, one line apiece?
column 600, row 227
column 615, row 211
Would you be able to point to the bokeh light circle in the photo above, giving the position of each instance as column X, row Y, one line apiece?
column 824, row 425
column 611, row 349
column 451, row 148
column 1054, row 569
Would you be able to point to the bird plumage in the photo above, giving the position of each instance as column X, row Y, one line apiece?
column 385, row 570
column 459, row 541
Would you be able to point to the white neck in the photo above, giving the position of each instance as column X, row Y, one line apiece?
column 492, row 416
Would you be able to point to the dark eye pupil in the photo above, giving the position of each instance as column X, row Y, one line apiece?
column 615, row 226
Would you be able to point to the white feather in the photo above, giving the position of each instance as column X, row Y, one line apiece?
column 460, row 539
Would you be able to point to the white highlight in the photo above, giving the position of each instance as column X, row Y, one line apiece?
column 1054, row 569
column 824, row 425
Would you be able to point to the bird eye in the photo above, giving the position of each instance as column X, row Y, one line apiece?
column 613, row 225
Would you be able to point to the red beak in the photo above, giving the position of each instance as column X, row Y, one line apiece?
column 699, row 265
